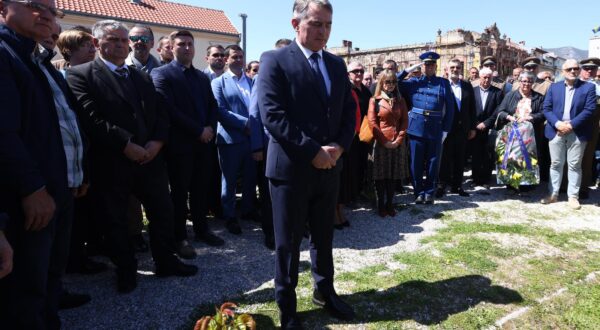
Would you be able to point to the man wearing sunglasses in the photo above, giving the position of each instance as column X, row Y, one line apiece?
column 569, row 108
column 141, row 41
column 35, row 191
column 215, row 57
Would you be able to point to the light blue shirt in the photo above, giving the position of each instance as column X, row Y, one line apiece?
column 243, row 85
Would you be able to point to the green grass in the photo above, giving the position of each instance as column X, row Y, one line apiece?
column 452, row 281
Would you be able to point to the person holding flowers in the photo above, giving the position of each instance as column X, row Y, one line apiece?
column 516, row 148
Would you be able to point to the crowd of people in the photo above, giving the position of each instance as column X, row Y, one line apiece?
column 93, row 143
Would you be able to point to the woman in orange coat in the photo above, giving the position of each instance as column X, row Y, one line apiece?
column 388, row 118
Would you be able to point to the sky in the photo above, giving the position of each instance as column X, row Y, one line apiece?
column 381, row 23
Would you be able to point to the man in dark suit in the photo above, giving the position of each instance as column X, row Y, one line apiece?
column 569, row 109
column 306, row 105
column 127, row 124
column 40, row 169
column 487, row 99
column 193, row 109
column 463, row 129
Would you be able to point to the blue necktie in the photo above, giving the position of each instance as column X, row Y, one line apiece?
column 314, row 63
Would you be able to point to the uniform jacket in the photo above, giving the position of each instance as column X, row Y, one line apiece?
column 298, row 119
column 430, row 94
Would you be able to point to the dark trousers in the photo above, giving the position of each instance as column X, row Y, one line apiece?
column 190, row 177
column 310, row 199
column 453, row 159
column 214, row 185
column 29, row 295
column 482, row 157
column 266, row 207
column 84, row 230
column 424, row 152
column 149, row 184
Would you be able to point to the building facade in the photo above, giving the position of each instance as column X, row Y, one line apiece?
column 209, row 26
column 468, row 46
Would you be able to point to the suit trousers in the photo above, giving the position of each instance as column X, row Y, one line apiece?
column 236, row 159
column 587, row 164
column 190, row 176
column 424, row 153
column 149, row 184
column 29, row 295
column 482, row 157
column 310, row 199
column 266, row 206
column 453, row 159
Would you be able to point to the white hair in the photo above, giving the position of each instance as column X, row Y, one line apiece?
column 485, row 71
column 301, row 7
column 100, row 29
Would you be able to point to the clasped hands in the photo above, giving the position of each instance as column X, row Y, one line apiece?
column 327, row 156
column 142, row 155
column 564, row 128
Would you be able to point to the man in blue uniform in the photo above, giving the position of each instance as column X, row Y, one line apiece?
column 429, row 120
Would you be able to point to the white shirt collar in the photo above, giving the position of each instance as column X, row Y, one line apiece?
column 307, row 52
column 113, row 67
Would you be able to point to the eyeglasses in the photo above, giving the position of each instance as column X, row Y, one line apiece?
column 528, row 82
column 389, row 82
column 218, row 55
column 358, row 71
column 143, row 39
column 530, row 67
column 254, row 70
column 572, row 69
column 39, row 7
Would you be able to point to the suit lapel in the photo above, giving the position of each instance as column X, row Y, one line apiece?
column 335, row 86
column 110, row 80
column 297, row 53
column 479, row 106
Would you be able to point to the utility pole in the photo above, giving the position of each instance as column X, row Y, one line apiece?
column 244, row 16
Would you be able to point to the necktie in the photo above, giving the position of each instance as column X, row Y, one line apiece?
column 122, row 72
column 314, row 63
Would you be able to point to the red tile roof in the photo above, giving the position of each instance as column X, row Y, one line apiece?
column 153, row 12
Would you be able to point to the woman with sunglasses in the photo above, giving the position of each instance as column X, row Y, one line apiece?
column 516, row 148
column 388, row 118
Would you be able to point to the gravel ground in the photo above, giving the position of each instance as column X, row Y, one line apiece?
column 243, row 264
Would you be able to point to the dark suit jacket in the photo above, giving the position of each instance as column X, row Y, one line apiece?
column 31, row 149
column 297, row 118
column 187, row 124
column 487, row 114
column 108, row 115
column 464, row 119
column 582, row 108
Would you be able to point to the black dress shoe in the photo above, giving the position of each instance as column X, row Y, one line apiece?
column 209, row 238
column 460, row 192
column 126, row 281
column 334, row 305
column 233, row 226
column 270, row 242
column 176, row 268
column 584, row 193
column 346, row 223
column 69, row 300
column 439, row 192
column 87, row 266
column 185, row 250
column 290, row 323
column 429, row 199
column 139, row 243
column 420, row 199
